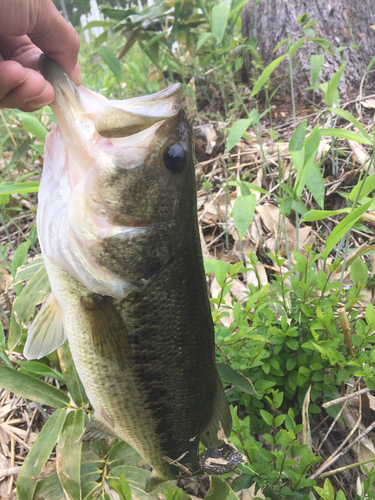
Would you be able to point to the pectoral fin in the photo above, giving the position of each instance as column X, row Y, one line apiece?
column 220, row 425
column 47, row 331
column 108, row 329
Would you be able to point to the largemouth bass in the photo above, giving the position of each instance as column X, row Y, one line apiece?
column 117, row 225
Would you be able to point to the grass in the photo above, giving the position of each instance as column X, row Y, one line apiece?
column 286, row 221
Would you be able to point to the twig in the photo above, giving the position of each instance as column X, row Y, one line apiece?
column 10, row 471
column 347, row 467
column 337, row 454
column 345, row 398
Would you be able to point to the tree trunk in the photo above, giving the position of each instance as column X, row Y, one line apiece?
column 272, row 21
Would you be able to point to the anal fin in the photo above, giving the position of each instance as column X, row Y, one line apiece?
column 46, row 332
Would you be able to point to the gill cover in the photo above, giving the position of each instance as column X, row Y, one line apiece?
column 91, row 157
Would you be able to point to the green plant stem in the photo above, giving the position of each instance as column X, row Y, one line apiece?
column 347, row 467
column 292, row 90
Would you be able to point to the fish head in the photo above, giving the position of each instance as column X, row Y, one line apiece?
column 118, row 199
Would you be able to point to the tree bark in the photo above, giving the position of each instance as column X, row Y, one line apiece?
column 272, row 21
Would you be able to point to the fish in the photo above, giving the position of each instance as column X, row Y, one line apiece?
column 118, row 230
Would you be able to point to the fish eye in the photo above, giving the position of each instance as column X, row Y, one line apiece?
column 174, row 158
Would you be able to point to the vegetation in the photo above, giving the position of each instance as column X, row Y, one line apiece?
column 286, row 217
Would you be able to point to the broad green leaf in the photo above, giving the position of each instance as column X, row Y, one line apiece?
column 220, row 272
column 343, row 227
column 219, row 20
column 15, row 330
column 19, row 257
column 313, row 215
column 333, row 86
column 315, row 184
column 122, row 488
column 297, row 141
column 109, row 57
column 72, row 380
column 237, row 131
column 358, row 271
column 366, row 187
column 203, row 39
column 68, row 455
column 220, row 490
column 293, row 47
column 50, row 488
column 35, row 292
column 98, row 24
column 316, row 66
column 347, row 116
column 302, row 174
column 243, row 212
column 19, row 187
column 210, row 265
column 239, row 380
column 32, row 389
column 122, row 454
column 38, row 455
column 137, row 480
column 41, row 369
column 312, row 144
column 345, row 134
column 26, row 272
column 266, row 74
column 32, row 125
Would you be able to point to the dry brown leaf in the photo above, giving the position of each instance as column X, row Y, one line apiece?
column 368, row 103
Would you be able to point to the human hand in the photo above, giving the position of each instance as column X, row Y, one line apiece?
column 28, row 27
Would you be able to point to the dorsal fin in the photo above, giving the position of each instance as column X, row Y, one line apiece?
column 46, row 332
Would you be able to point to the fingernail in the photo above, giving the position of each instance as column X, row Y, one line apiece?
column 24, row 78
column 40, row 104
column 77, row 74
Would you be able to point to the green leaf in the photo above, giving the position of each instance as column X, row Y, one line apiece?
column 313, row 215
column 358, row 271
column 41, row 369
column 31, row 388
column 266, row 74
column 32, row 125
column 136, row 479
column 19, row 187
column 240, row 381
column 109, row 57
column 347, row 116
column 345, row 134
column 2, row 338
column 316, row 66
column 26, row 272
column 343, row 227
column 98, row 24
column 122, row 454
column 293, row 47
column 333, row 86
column 68, row 455
column 237, row 131
column 243, row 212
column 315, row 184
column 50, row 488
column 219, row 20
column 72, row 380
column 297, row 141
column 203, row 39
column 122, row 488
column 38, row 455
column 365, row 187
column 220, row 272
column 267, row 417
column 220, row 490
column 19, row 257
